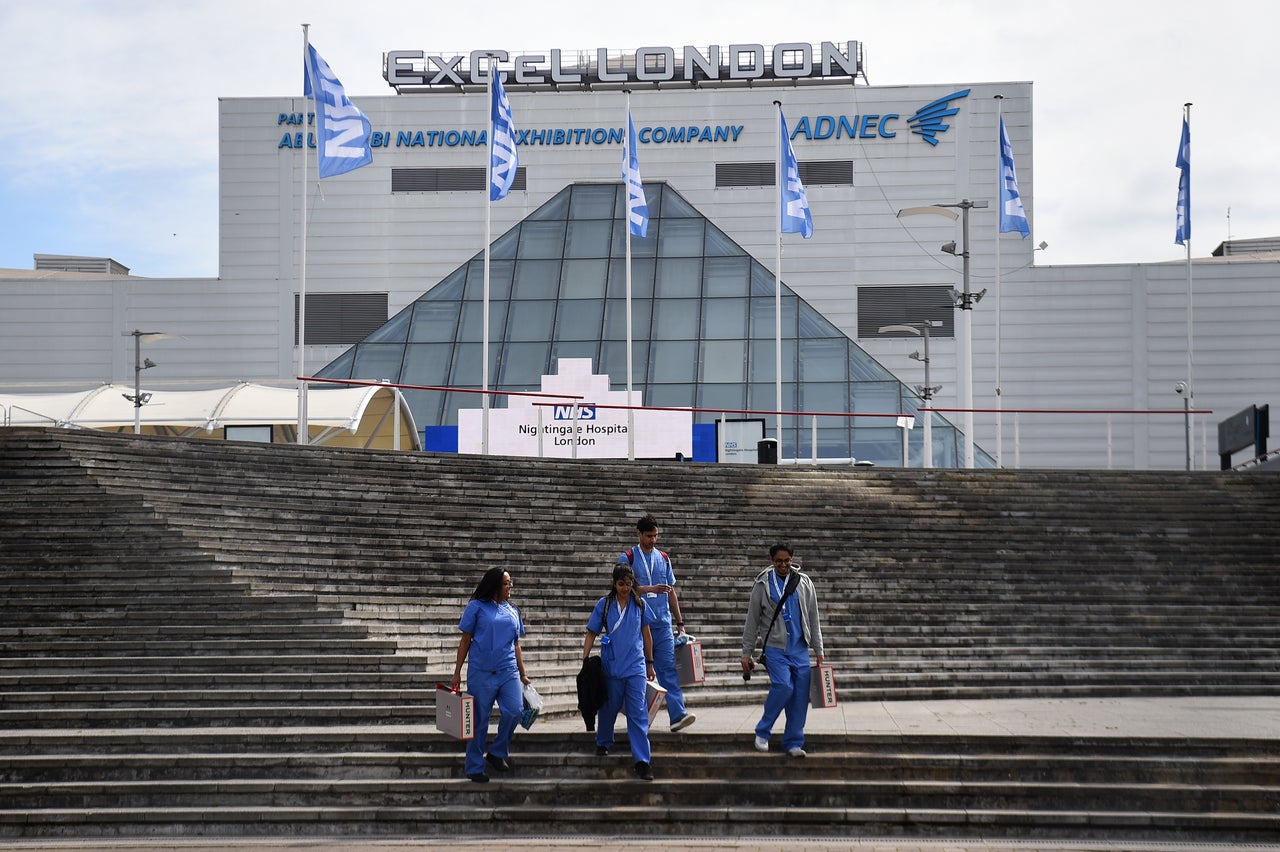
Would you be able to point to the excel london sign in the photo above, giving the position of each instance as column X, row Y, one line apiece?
column 737, row 63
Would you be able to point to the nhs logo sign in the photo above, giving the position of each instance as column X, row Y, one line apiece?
column 565, row 412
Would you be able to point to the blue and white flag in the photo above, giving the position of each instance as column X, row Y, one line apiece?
column 1184, row 186
column 637, row 206
column 796, row 218
column 503, row 159
column 342, row 130
column 1012, row 216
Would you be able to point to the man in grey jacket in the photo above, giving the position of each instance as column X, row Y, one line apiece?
column 794, row 632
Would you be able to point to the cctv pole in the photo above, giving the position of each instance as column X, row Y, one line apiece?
column 137, row 382
column 966, row 336
column 927, row 394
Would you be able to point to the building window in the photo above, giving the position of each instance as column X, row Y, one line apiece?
column 812, row 173
column 447, row 180
column 881, row 306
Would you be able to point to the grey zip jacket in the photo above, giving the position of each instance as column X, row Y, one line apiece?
column 760, row 613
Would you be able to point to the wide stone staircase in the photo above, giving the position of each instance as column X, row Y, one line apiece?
column 220, row 638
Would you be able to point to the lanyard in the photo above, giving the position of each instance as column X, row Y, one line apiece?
column 648, row 564
column 622, row 611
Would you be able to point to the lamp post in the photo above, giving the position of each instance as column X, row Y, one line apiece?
column 926, row 391
column 138, row 398
column 1181, row 390
column 965, row 301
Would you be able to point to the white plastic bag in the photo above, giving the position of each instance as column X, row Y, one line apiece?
column 532, row 707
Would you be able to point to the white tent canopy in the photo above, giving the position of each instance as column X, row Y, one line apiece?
column 375, row 417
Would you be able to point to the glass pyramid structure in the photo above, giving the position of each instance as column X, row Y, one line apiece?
column 702, row 330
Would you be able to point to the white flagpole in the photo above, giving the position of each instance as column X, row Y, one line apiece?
column 1191, row 385
column 626, row 188
column 300, row 358
column 777, row 286
column 999, row 218
column 484, row 320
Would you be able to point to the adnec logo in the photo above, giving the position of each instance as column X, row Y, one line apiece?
column 927, row 122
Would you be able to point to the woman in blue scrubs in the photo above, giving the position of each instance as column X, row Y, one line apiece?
column 491, row 630
column 621, row 620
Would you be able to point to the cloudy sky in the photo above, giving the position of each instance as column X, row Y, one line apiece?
column 111, row 106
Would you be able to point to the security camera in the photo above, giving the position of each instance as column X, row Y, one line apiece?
column 1180, row 388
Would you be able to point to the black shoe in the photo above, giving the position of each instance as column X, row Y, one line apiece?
column 643, row 772
column 602, row 751
column 479, row 777
column 498, row 763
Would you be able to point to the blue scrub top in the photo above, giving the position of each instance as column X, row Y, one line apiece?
column 623, row 656
column 494, row 629
column 652, row 569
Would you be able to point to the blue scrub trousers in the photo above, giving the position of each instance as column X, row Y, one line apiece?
column 664, row 667
column 488, row 688
column 788, row 692
column 628, row 693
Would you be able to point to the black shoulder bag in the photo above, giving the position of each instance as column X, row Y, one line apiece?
column 793, row 580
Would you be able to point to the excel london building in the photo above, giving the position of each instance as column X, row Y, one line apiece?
column 394, row 272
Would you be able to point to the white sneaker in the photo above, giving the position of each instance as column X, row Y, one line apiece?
column 683, row 722
column 795, row 752
column 762, row 744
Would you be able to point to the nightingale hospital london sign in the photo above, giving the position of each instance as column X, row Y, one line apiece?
column 736, row 64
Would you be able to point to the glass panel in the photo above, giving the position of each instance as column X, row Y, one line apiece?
column 642, row 272
column 879, row 444
column 425, row 406
column 378, row 362
column 726, row 276
column 579, row 319
column 646, row 246
column 670, row 395
column 531, row 320
column 724, row 361
column 504, row 247
column 823, row 360
column 615, row 319
column 725, row 318
column 340, row 367
column 875, row 398
column 674, row 206
column 761, row 360
column 613, row 363
column 472, row 315
column 583, row 279
column 762, row 318
column 862, row 367
column 726, row 397
column 537, row 279
column 556, row 208
column 654, row 193
column 825, row 396
column 464, row 372
column 524, row 363
column 541, row 239
column 499, row 280
column 593, row 201
column 449, row 288
column 427, row 364
column 434, row 320
column 678, row 278
column 588, row 349
column 680, row 238
column 833, row 442
column 813, row 324
column 719, row 244
column 675, row 319
column 589, row 238
column 395, row 330
column 674, row 361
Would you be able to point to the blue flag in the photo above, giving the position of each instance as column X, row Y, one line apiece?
column 1012, row 216
column 796, row 218
column 342, row 131
column 1184, row 186
column 503, row 159
column 637, row 206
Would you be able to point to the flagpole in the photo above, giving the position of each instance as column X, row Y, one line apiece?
column 1191, row 385
column 300, row 359
column 777, row 287
column 488, row 218
column 999, row 289
column 626, row 159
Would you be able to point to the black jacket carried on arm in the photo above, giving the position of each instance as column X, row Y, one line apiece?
column 591, row 691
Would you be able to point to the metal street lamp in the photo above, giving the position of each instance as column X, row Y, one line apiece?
column 138, row 398
column 926, row 391
column 964, row 301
